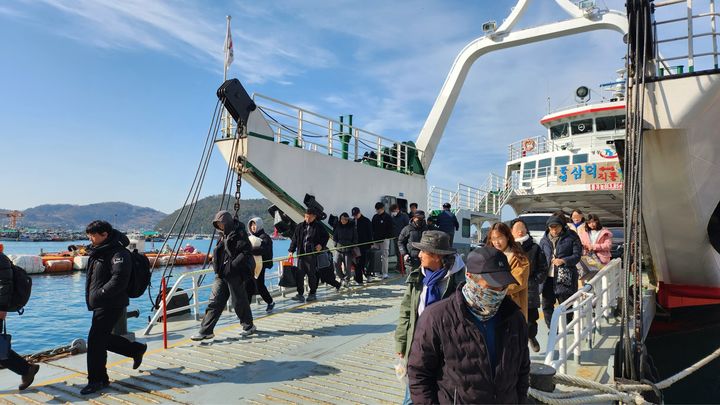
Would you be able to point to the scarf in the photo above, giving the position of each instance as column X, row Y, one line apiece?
column 523, row 239
column 482, row 302
column 431, row 281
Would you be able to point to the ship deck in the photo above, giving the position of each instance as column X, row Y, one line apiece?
column 337, row 350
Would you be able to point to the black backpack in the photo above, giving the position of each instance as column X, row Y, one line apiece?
column 22, row 287
column 139, row 276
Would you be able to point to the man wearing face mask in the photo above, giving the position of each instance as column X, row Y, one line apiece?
column 484, row 356
column 411, row 233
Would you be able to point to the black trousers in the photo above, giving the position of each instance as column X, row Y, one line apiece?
column 361, row 261
column 259, row 288
column 533, row 316
column 101, row 339
column 15, row 363
column 307, row 265
column 221, row 291
column 549, row 298
column 400, row 265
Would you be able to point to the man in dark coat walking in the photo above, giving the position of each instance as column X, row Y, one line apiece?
column 471, row 348
column 383, row 232
column 400, row 221
column 363, row 226
column 447, row 222
column 344, row 234
column 13, row 362
column 562, row 249
column 233, row 264
column 309, row 238
column 538, row 274
column 107, row 277
column 412, row 233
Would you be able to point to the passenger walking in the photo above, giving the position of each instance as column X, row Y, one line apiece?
column 447, row 222
column 400, row 221
column 500, row 237
column 412, row 233
column 413, row 209
column 596, row 239
column 363, row 226
column 436, row 278
column 562, row 251
column 578, row 222
column 383, row 233
column 12, row 361
column 310, row 237
column 233, row 264
column 538, row 274
column 265, row 250
column 471, row 348
column 344, row 234
column 108, row 274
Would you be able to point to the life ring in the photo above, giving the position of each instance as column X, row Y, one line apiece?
column 528, row 145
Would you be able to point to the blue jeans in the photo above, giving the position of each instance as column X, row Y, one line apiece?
column 407, row 400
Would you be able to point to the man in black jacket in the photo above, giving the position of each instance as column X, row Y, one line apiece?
column 538, row 274
column 382, row 232
column 233, row 264
column 310, row 237
column 471, row 348
column 363, row 226
column 447, row 222
column 400, row 221
column 108, row 273
column 13, row 362
column 412, row 233
column 344, row 234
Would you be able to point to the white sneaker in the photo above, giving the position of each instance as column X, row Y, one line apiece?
column 247, row 332
column 385, row 276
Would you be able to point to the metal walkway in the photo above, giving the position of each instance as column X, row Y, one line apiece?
column 326, row 352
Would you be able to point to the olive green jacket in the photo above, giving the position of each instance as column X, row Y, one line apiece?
column 410, row 304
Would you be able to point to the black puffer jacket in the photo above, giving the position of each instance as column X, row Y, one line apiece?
column 345, row 235
column 538, row 271
column 400, row 221
column 411, row 233
column 569, row 249
column 317, row 236
column 6, row 281
column 449, row 362
column 232, row 257
column 382, row 226
column 108, row 273
column 363, row 226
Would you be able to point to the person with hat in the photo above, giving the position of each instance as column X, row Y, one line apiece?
column 382, row 232
column 309, row 238
column 447, row 222
column 412, row 232
column 484, row 355
column 436, row 278
column 563, row 250
column 363, row 227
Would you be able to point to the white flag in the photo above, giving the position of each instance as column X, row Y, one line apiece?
column 228, row 48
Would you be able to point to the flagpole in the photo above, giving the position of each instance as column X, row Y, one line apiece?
column 227, row 128
column 226, row 49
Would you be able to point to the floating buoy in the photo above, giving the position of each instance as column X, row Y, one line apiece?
column 58, row 266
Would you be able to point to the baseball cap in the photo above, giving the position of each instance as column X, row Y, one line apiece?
column 492, row 265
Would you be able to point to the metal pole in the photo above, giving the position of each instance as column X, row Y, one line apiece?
column 196, row 305
column 691, row 60
column 346, row 139
column 300, row 126
column 714, row 33
column 163, row 286
column 330, row 137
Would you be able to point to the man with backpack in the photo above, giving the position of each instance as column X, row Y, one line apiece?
column 109, row 271
column 11, row 360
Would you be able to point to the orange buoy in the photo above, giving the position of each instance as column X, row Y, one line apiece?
column 58, row 266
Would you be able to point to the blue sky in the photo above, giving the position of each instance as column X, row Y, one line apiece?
column 110, row 101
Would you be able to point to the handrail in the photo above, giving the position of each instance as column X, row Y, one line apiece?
column 195, row 287
column 597, row 298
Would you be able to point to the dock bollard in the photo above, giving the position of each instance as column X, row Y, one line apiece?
column 121, row 325
column 541, row 377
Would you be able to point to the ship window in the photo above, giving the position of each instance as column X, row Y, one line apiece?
column 562, row 160
column 581, row 126
column 544, row 167
column 465, row 228
column 528, row 170
column 559, row 131
column 582, row 158
column 605, row 123
column 619, row 122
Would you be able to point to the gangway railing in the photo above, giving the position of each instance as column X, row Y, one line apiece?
column 682, row 39
column 488, row 199
column 438, row 196
column 190, row 284
column 596, row 300
column 298, row 127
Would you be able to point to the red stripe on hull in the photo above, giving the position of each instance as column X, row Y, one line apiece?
column 588, row 111
column 676, row 296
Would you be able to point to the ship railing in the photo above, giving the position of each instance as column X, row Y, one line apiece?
column 190, row 283
column 298, row 127
column 488, row 199
column 676, row 35
column 596, row 300
column 438, row 196
column 531, row 146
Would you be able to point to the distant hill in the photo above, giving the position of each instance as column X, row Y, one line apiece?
column 121, row 215
column 207, row 208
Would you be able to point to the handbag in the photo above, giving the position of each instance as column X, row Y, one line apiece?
column 287, row 276
column 323, row 260
column 356, row 252
column 5, row 343
column 564, row 276
column 588, row 266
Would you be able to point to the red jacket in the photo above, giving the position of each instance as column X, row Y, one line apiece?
column 601, row 247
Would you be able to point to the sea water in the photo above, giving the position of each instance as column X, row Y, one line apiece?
column 57, row 313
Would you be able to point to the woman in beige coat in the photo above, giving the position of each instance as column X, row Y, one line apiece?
column 500, row 237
